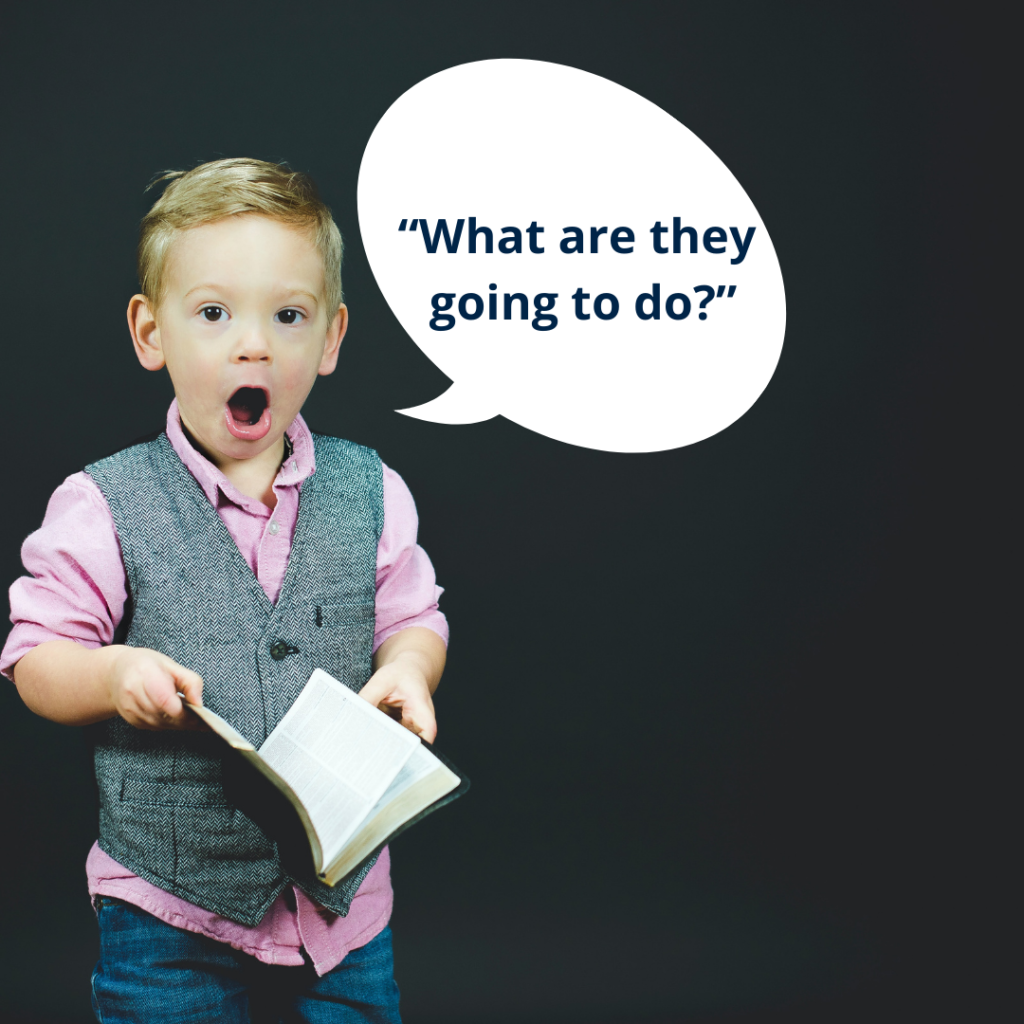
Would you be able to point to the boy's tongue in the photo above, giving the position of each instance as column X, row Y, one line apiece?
column 248, row 414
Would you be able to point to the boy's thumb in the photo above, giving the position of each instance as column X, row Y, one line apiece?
column 190, row 685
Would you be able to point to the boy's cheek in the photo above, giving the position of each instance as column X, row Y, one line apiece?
column 186, row 368
column 295, row 383
column 197, row 381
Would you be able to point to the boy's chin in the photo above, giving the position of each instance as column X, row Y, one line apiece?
column 237, row 448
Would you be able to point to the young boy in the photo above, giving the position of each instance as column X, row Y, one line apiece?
column 224, row 561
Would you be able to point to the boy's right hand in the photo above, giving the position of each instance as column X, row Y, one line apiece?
column 144, row 687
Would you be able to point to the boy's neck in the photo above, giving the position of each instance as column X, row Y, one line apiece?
column 252, row 477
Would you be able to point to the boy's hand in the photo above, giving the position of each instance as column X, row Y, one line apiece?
column 144, row 687
column 67, row 682
column 401, row 691
column 408, row 668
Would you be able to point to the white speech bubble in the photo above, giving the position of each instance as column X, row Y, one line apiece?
column 517, row 142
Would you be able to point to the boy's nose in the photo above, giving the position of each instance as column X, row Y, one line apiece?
column 253, row 346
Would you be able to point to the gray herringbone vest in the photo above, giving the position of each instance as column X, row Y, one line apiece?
column 163, row 812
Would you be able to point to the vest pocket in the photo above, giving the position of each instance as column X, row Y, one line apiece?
column 172, row 794
column 190, row 836
column 344, row 614
column 342, row 643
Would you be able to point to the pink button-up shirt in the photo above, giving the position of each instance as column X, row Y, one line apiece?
column 77, row 591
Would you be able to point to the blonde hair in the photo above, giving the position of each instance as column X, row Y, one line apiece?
column 230, row 188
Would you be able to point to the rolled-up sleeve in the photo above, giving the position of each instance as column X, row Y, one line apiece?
column 407, row 590
column 76, row 587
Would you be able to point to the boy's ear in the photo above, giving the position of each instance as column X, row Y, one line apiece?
column 335, row 334
column 145, row 333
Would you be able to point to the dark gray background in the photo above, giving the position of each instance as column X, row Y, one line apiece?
column 725, row 707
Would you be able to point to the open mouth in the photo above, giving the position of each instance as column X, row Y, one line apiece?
column 248, row 413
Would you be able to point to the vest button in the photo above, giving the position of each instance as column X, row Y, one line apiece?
column 279, row 651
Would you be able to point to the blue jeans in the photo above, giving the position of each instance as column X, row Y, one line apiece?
column 150, row 972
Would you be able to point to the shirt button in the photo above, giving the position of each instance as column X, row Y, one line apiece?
column 295, row 466
column 274, row 527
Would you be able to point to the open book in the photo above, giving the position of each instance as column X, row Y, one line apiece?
column 355, row 777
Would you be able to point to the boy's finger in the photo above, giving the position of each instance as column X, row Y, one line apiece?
column 186, row 682
column 170, row 707
column 190, row 685
column 375, row 690
column 145, row 714
column 427, row 731
column 418, row 717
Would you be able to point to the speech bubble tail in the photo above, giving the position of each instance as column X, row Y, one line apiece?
column 461, row 403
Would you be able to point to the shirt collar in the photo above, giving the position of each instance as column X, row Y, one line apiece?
column 298, row 464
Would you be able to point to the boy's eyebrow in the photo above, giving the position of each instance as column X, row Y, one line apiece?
column 217, row 287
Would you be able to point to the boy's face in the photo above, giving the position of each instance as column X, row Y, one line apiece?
column 242, row 329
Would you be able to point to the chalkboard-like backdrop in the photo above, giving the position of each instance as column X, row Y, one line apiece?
column 716, row 702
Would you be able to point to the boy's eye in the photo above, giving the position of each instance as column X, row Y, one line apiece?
column 213, row 313
column 289, row 316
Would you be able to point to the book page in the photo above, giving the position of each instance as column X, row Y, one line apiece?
column 419, row 766
column 226, row 732
column 339, row 754
column 234, row 738
column 422, row 780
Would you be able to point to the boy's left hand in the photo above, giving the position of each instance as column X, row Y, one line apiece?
column 408, row 668
column 401, row 691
